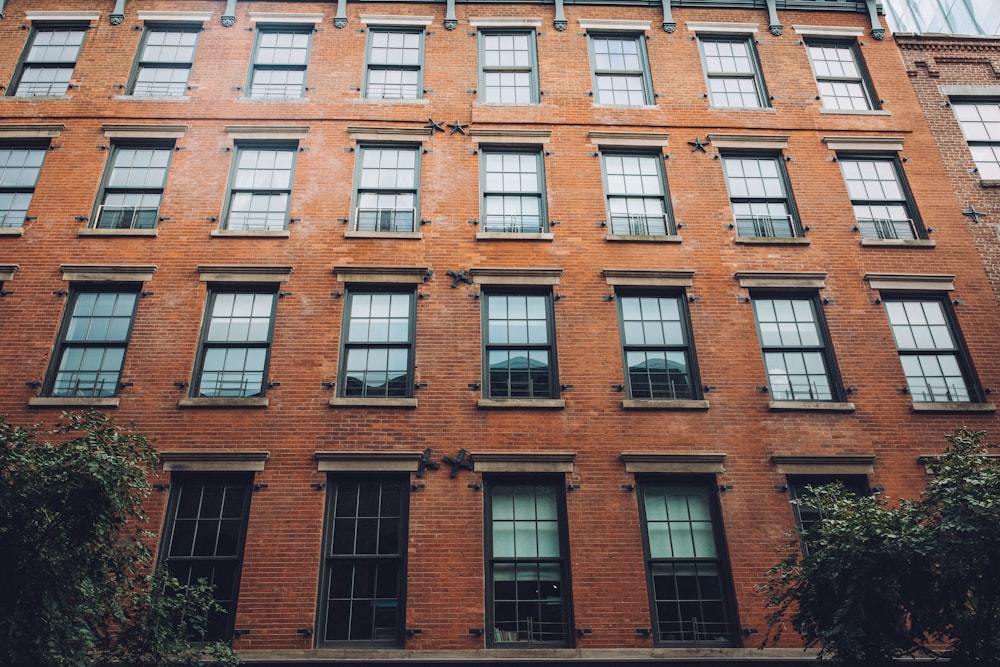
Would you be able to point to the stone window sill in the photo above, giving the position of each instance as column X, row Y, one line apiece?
column 640, row 238
column 897, row 243
column 521, row 403
column 821, row 406
column 633, row 404
column 857, row 112
column 272, row 100
column 152, row 98
column 347, row 402
column 514, row 236
column 11, row 231
column 381, row 100
column 415, row 236
column 72, row 402
column 627, row 107
column 920, row 406
column 196, row 402
column 770, row 240
column 764, row 109
column 507, row 105
column 89, row 231
column 35, row 98
column 252, row 233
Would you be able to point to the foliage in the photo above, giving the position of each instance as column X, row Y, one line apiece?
column 75, row 574
column 921, row 578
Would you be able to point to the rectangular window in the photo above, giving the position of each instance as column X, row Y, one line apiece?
column 92, row 342
column 513, row 191
column 733, row 73
column 395, row 64
column 797, row 357
column 620, row 70
column 48, row 61
column 637, row 202
column 377, row 353
column 934, row 361
column 261, row 188
column 203, row 539
column 759, row 195
column 840, row 75
column 235, row 344
column 980, row 123
column 387, row 191
column 508, row 67
column 519, row 345
column 164, row 63
column 656, row 342
column 281, row 56
column 882, row 203
column 133, row 186
column 363, row 587
column 20, row 165
column 528, row 596
column 686, row 567
column 806, row 517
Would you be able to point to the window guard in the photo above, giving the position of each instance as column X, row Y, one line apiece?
column 531, row 632
column 255, row 221
column 83, row 384
column 776, row 226
column 513, row 223
column 631, row 224
column 888, row 228
column 385, row 219
column 125, row 217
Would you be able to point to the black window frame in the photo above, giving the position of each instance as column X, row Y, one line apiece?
column 552, row 372
column 799, row 489
column 991, row 143
column 142, row 63
column 233, row 191
column 824, row 347
column 385, row 220
column 643, row 72
column 762, row 226
column 885, row 228
column 51, row 386
column 24, row 64
column 632, row 230
column 221, row 624
column 755, row 74
column 204, row 344
column 347, row 346
column 494, row 636
column 863, row 79
column 485, row 194
column 140, row 217
column 725, row 603
column 685, row 346
column 370, row 66
column 531, row 69
column 257, row 67
column 6, row 222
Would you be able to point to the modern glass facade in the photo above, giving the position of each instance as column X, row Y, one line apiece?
column 957, row 17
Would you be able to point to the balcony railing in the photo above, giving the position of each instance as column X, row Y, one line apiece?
column 765, row 226
column 513, row 224
column 392, row 91
column 638, row 225
column 159, row 89
column 256, row 221
column 529, row 632
column 799, row 391
column 125, row 217
column 887, row 228
column 230, row 385
column 385, row 219
column 83, row 384
column 942, row 393
column 11, row 218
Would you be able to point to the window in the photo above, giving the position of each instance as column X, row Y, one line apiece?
column 164, row 62
column 686, row 568
column 759, row 195
column 656, row 342
column 508, row 67
column 797, row 357
column 620, row 69
column 48, row 61
column 805, row 516
column 386, row 197
column 980, row 123
column 513, row 187
column 841, row 78
column 377, row 353
column 930, row 349
column 261, row 188
column 19, row 168
column 235, row 344
column 203, row 539
column 395, row 64
column 636, row 194
column 882, row 204
column 519, row 345
column 363, row 585
column 133, row 186
column 92, row 341
column 280, row 58
column 528, row 596
column 733, row 74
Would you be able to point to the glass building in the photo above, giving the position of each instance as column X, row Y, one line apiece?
column 958, row 17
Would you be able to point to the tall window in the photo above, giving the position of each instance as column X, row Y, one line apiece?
column 519, row 345
column 797, row 357
column 636, row 194
column 363, row 585
column 280, row 58
column 980, row 123
column 92, row 342
column 203, row 539
column 395, row 64
column 386, row 196
column 507, row 69
column 377, row 356
column 48, row 61
column 882, row 205
column 841, row 78
column 734, row 78
column 620, row 70
column 933, row 357
column 656, row 342
column 759, row 196
column 261, row 188
column 528, row 597
column 689, row 581
column 164, row 63
column 807, row 516
column 133, row 186
column 513, row 185
column 235, row 344
column 20, row 165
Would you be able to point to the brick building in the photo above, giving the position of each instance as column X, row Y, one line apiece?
column 486, row 332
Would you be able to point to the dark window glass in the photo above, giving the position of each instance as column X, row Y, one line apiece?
column 20, row 165
column 377, row 357
column 164, row 62
column 48, row 62
column 133, row 187
column 656, row 342
column 235, row 344
column 519, row 346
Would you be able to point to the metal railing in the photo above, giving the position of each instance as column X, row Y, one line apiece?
column 276, row 90
column 81, row 384
column 225, row 385
column 513, row 223
column 811, row 391
column 125, row 217
column 159, row 89
column 942, row 393
column 385, row 219
column 765, row 226
column 392, row 91
column 529, row 632
column 887, row 228
column 11, row 218
column 256, row 221
column 638, row 225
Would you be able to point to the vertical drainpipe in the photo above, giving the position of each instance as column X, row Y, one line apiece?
column 669, row 24
column 229, row 14
column 559, row 23
column 772, row 18
column 878, row 32
column 117, row 15
column 340, row 20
